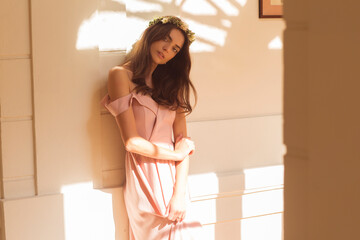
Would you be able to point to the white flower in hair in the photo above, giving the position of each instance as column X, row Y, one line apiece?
column 165, row 20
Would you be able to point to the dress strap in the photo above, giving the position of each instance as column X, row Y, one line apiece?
column 123, row 103
column 118, row 105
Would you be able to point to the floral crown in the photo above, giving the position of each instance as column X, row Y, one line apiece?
column 176, row 21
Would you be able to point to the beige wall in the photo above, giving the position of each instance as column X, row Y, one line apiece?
column 321, row 120
column 57, row 144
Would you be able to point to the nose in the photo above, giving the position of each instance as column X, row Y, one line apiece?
column 166, row 47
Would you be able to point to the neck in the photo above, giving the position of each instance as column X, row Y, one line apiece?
column 152, row 68
column 148, row 78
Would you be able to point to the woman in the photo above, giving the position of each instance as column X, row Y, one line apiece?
column 149, row 96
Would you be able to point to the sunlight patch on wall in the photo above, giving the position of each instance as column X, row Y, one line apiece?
column 165, row 1
column 200, row 186
column 226, row 23
column 266, row 227
column 119, row 32
column 178, row 2
column 88, row 33
column 212, row 34
column 264, row 176
column 226, row 7
column 114, row 30
column 276, row 43
column 143, row 6
column 104, row 30
column 262, row 203
column 199, row 8
column 112, row 25
column 242, row 2
column 135, row 27
column 88, row 213
column 199, row 46
column 264, row 190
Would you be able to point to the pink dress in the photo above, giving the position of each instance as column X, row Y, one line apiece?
column 149, row 182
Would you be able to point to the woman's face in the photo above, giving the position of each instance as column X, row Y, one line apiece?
column 165, row 49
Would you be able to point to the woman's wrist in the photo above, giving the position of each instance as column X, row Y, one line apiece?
column 179, row 192
column 180, row 154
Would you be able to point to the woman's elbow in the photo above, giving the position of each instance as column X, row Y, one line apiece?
column 131, row 144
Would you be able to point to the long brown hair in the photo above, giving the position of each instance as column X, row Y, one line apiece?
column 171, row 81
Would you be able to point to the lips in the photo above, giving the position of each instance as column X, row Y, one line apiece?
column 161, row 55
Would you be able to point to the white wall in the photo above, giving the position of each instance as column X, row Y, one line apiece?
column 54, row 135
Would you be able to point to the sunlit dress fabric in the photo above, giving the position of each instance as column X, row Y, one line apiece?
column 150, row 182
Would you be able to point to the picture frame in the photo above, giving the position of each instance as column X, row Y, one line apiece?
column 270, row 8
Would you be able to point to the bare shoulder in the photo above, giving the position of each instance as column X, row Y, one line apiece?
column 118, row 82
column 131, row 74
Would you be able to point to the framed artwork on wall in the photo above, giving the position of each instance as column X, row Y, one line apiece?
column 270, row 8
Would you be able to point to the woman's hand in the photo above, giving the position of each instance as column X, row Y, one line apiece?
column 176, row 209
column 184, row 145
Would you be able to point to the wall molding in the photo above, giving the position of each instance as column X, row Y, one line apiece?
column 16, row 119
column 105, row 112
column 15, row 57
column 239, row 219
column 236, row 193
column 18, row 178
column 105, row 52
column 235, row 117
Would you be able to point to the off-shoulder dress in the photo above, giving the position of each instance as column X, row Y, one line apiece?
column 150, row 182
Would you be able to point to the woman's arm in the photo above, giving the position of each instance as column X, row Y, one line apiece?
column 119, row 86
column 177, row 206
column 182, row 168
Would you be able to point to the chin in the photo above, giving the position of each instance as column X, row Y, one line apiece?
column 160, row 62
column 157, row 60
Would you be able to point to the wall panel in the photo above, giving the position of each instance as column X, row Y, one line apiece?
column 17, row 143
column 65, row 94
column 39, row 218
column 14, row 28
column 251, row 211
column 15, row 88
column 236, row 144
